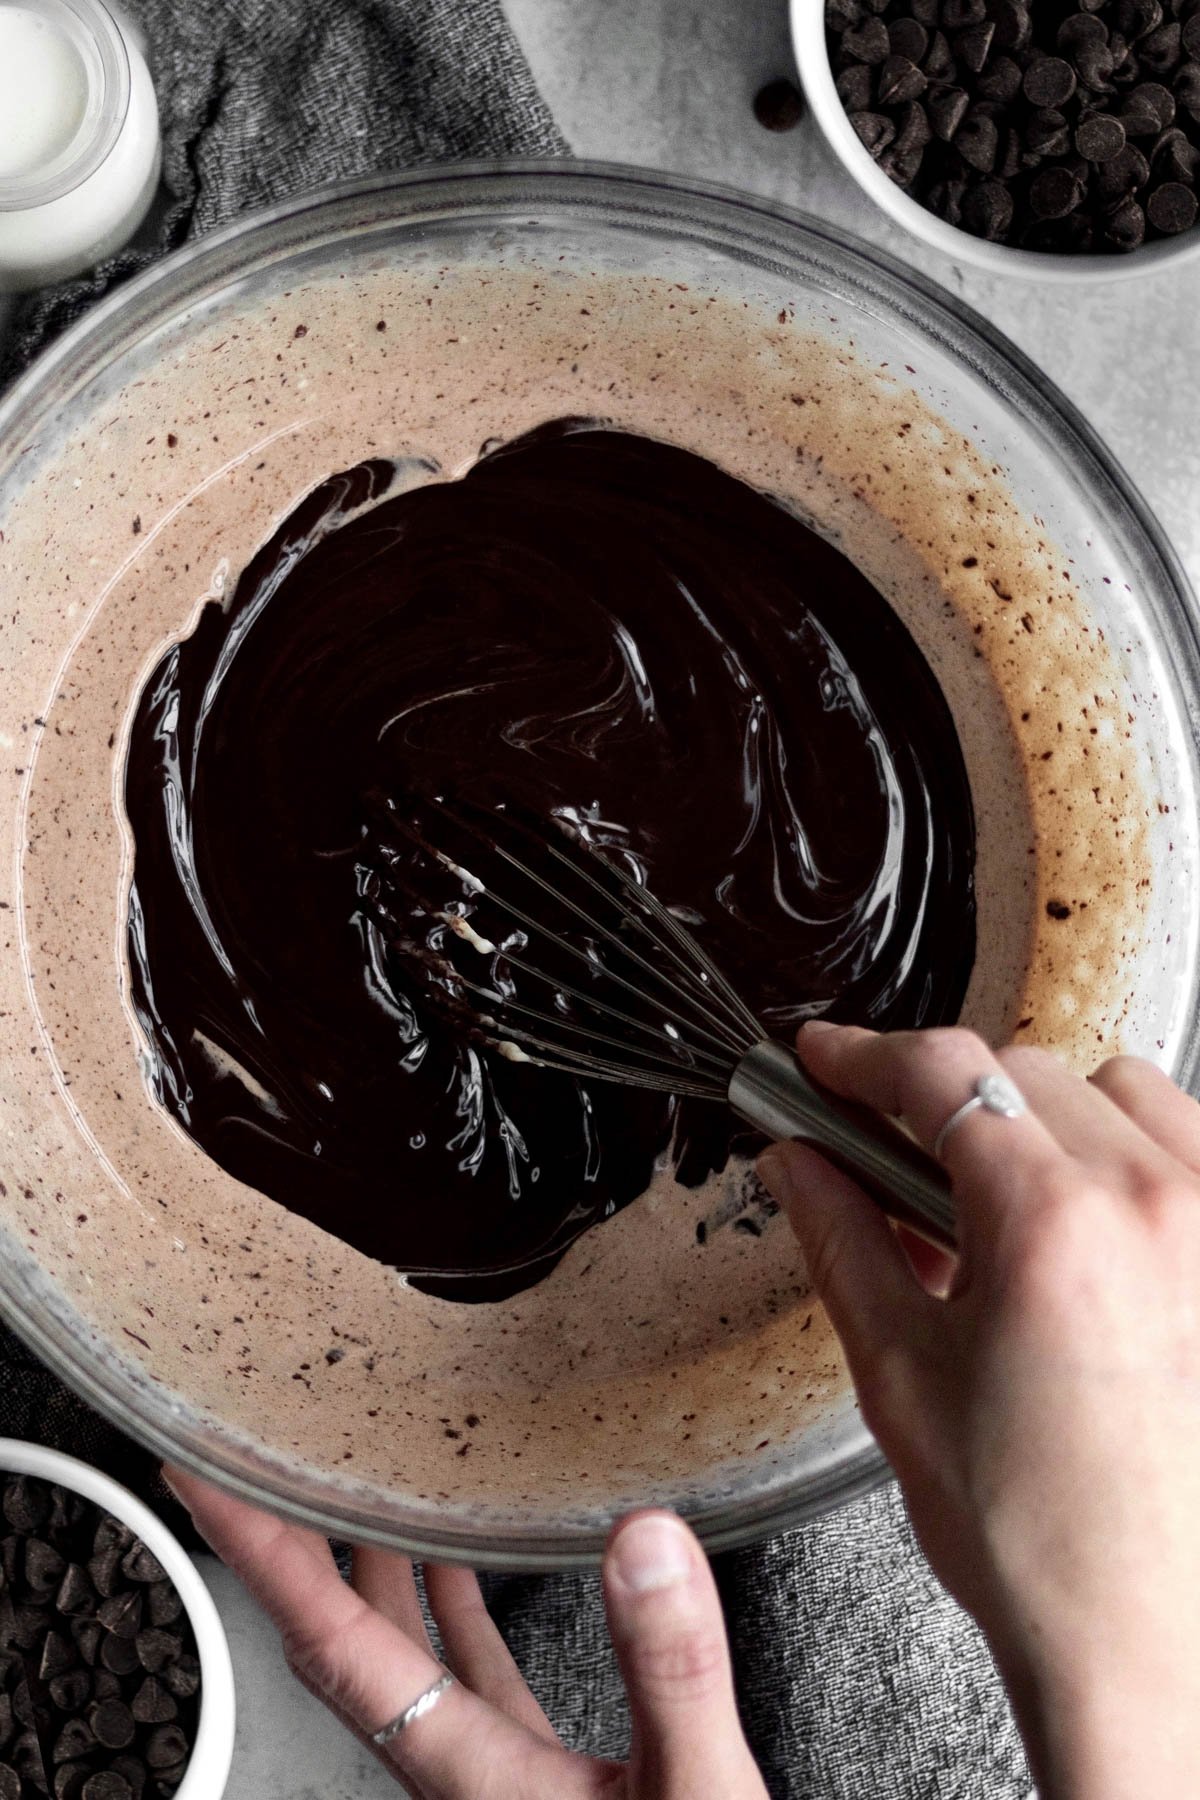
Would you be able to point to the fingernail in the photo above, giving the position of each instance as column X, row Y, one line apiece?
column 652, row 1552
column 818, row 1027
column 165, row 1472
column 776, row 1176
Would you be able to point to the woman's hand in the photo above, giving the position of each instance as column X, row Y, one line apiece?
column 364, row 1651
column 1040, row 1399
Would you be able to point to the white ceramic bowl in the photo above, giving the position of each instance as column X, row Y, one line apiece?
column 816, row 76
column 212, row 1751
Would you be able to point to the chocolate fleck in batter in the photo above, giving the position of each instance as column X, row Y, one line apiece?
column 605, row 631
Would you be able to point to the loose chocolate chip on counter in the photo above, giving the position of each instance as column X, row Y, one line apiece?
column 874, row 131
column 855, row 87
column 165, row 1747
column 141, row 1564
column 1172, row 208
column 778, row 105
column 1099, row 136
column 71, row 1692
column 153, row 1704
column 157, row 1650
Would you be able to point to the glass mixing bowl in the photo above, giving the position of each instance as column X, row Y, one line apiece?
column 118, row 1292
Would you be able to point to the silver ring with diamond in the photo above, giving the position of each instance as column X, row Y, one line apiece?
column 993, row 1093
column 421, row 1705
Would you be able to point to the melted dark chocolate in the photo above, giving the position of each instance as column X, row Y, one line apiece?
column 602, row 630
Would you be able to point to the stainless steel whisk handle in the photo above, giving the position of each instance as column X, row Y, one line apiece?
column 771, row 1091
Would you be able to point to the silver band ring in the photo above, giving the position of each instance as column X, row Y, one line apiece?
column 995, row 1094
column 421, row 1705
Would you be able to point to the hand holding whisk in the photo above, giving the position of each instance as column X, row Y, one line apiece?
column 539, row 945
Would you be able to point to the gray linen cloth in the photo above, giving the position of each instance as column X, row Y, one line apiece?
column 859, row 1679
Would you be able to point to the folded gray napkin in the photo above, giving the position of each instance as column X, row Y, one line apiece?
column 859, row 1678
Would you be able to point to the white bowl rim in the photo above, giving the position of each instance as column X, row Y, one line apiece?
column 816, row 76
column 212, row 1752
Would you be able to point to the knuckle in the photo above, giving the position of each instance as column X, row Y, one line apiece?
column 1025, row 1061
column 687, row 1663
column 318, row 1661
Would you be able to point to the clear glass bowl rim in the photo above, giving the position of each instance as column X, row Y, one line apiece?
column 742, row 227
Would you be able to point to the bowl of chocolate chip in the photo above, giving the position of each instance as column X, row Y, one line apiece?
column 1055, row 140
column 682, row 522
column 115, row 1682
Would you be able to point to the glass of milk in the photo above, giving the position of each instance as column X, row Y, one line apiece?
column 79, row 141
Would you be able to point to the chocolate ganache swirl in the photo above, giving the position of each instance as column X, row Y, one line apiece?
column 602, row 630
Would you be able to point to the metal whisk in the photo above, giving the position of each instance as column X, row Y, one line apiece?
column 587, row 972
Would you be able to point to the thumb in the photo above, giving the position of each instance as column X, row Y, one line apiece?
column 669, row 1635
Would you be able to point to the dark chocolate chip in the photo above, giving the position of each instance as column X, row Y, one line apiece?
column 27, row 1626
column 957, row 13
column 938, row 62
column 106, row 1685
column 87, row 1635
column 1046, row 133
column 947, row 109
column 1174, row 158
column 111, row 1534
column 183, row 1677
column 106, row 1784
column 1081, row 31
column 10, row 1783
column 112, row 1723
column 76, row 1595
column 1186, row 85
column 10, row 1555
column 1155, row 102
column 73, row 1741
column 1053, row 193
column 925, row 12
column 157, row 1650
column 908, row 37
column 1049, row 82
column 68, row 1780
column 1172, row 208
column 843, row 15
column 1013, row 22
column 1134, row 18
column 1008, row 163
column 1094, row 64
column 122, row 1614
column 43, row 1566
column 6, row 1719
column 1160, row 51
column 868, row 42
column 26, row 1758
column 72, row 1691
column 972, row 46
column 854, row 86
column 1000, row 81
column 166, row 1746
column 778, row 105
column 1190, row 36
column 57, row 1656
column 874, row 131
column 134, row 1771
column 1125, row 227
column 163, row 1604
column 1122, row 175
column 141, row 1564
column 153, row 1704
column 978, row 142
column 1099, row 136
column 899, row 80
column 119, row 1654
column 22, row 1703
column 987, row 210
column 26, row 1502
column 104, row 1567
